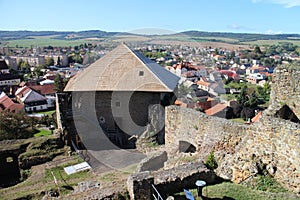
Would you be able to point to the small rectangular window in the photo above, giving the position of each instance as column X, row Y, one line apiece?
column 141, row 73
column 118, row 104
column 9, row 159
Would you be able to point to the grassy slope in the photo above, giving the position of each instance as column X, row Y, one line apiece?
column 272, row 42
column 42, row 132
column 49, row 40
column 229, row 191
column 42, row 42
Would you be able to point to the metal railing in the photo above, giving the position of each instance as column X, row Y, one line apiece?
column 156, row 196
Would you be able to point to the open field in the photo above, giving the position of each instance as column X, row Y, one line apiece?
column 179, row 39
column 46, row 41
column 271, row 42
column 201, row 44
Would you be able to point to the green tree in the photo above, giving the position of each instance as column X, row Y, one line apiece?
column 243, row 96
column 58, row 61
column 58, row 83
column 75, row 58
column 257, row 50
column 49, row 61
column 25, row 66
column 14, row 126
column 20, row 64
column 38, row 71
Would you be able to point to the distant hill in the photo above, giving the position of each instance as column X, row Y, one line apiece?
column 14, row 35
column 242, row 37
column 225, row 37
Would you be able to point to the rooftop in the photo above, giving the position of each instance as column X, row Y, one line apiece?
column 124, row 69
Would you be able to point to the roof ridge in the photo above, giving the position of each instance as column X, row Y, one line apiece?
column 151, row 71
column 151, row 67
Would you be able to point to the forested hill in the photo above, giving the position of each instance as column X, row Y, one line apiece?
column 8, row 35
column 243, row 37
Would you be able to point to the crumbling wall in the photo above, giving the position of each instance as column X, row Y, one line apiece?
column 285, row 89
column 169, row 181
column 241, row 150
column 275, row 143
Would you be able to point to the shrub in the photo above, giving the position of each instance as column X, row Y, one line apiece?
column 268, row 183
column 211, row 162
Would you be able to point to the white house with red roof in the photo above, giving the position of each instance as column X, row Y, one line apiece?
column 7, row 104
column 32, row 100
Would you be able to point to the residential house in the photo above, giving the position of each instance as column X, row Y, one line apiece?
column 229, row 74
column 122, row 90
column 203, row 85
column 215, row 76
column 255, row 78
column 217, row 88
column 9, row 79
column 220, row 110
column 3, row 67
column 12, row 62
column 6, row 78
column 32, row 100
column 7, row 104
column 213, row 88
column 47, row 82
column 255, row 69
column 206, row 103
column 201, row 71
column 47, row 91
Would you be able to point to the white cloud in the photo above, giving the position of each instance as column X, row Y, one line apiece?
column 238, row 27
column 271, row 32
column 285, row 3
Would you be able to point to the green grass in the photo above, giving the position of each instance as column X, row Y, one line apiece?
column 42, row 132
column 239, row 120
column 234, row 191
column 271, row 42
column 49, row 112
column 32, row 188
column 229, row 97
column 62, row 176
column 42, row 42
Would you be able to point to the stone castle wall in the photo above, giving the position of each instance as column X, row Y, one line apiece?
column 241, row 150
column 285, row 89
column 272, row 144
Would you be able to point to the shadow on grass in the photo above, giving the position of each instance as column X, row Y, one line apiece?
column 217, row 180
column 68, row 187
column 182, row 197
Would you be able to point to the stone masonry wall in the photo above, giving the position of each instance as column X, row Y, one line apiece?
column 285, row 89
column 272, row 144
column 241, row 150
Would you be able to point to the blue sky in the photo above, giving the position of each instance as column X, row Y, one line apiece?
column 253, row 16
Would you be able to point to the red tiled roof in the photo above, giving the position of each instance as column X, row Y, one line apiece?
column 6, row 104
column 215, row 109
column 181, row 104
column 22, row 91
column 203, row 83
column 196, row 67
column 44, row 89
column 257, row 67
column 207, row 104
column 266, row 74
column 256, row 117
